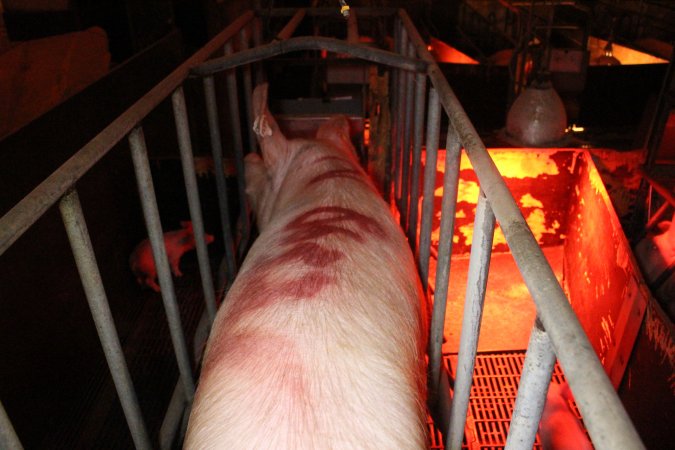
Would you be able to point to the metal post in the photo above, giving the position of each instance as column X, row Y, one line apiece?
column 433, row 131
column 248, row 89
column 146, row 192
column 391, row 157
column 8, row 438
column 405, row 148
column 352, row 28
column 235, row 122
column 400, row 122
column 532, row 388
column 194, row 204
column 221, row 184
column 448, row 206
column 420, row 96
column 479, row 265
column 76, row 228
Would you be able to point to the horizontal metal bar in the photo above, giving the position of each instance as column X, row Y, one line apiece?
column 8, row 438
column 288, row 30
column 33, row 206
column 663, row 191
column 295, row 44
column 604, row 415
column 324, row 11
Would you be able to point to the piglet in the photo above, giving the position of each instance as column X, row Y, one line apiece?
column 559, row 428
column 656, row 256
column 319, row 343
column 176, row 242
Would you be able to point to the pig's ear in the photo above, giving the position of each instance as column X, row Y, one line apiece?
column 272, row 142
column 336, row 131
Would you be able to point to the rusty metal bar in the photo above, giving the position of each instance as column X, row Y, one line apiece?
column 296, row 44
column 532, row 388
column 33, row 206
column 420, row 97
column 146, row 191
column 447, row 226
column 288, row 30
column 221, row 184
column 194, row 204
column 604, row 415
column 83, row 252
column 479, row 266
column 433, row 132
column 352, row 28
column 8, row 438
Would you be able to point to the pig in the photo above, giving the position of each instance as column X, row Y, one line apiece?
column 559, row 428
column 320, row 341
column 177, row 242
column 655, row 255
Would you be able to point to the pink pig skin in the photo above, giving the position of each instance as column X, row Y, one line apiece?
column 320, row 341
column 176, row 242
column 560, row 428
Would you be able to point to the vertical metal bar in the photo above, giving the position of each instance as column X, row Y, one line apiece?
column 221, row 185
column 391, row 159
column 448, row 208
column 8, row 438
column 400, row 120
column 420, row 97
column 258, row 41
column 479, row 265
column 238, row 153
column 248, row 89
column 405, row 148
column 76, row 228
column 532, row 388
column 194, row 204
column 146, row 191
column 433, row 131
column 352, row 28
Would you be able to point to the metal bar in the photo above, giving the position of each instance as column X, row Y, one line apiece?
column 194, row 204
column 352, row 28
column 420, row 97
column 532, row 388
column 221, row 184
column 248, row 90
column 235, row 122
column 257, row 42
column 390, row 157
column 604, row 415
column 33, row 206
column 663, row 191
column 408, row 117
column 448, row 207
column 296, row 44
column 331, row 11
column 288, row 30
column 479, row 266
column 400, row 122
column 146, row 192
column 8, row 438
column 433, row 131
column 76, row 228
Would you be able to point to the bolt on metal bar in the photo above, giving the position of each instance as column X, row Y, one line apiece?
column 405, row 148
column 433, row 132
column 532, row 388
column 194, row 204
column 235, row 122
column 146, row 192
column 479, row 266
column 80, row 243
column 34, row 205
column 420, row 97
column 288, row 30
column 604, row 415
column 221, row 184
column 296, row 44
column 248, row 90
column 447, row 226
column 8, row 437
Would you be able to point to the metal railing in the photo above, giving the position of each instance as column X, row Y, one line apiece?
column 414, row 71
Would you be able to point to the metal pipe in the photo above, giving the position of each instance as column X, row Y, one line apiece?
column 405, row 148
column 400, row 122
column 296, row 44
column 433, row 131
column 331, row 11
column 420, row 97
column 448, row 206
column 221, row 184
column 248, row 90
column 34, row 205
column 8, row 438
column 352, row 28
column 391, row 156
column 479, row 266
column 235, row 122
column 194, row 204
column 146, row 192
column 604, row 415
column 257, row 42
column 288, row 30
column 532, row 388
column 80, row 243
